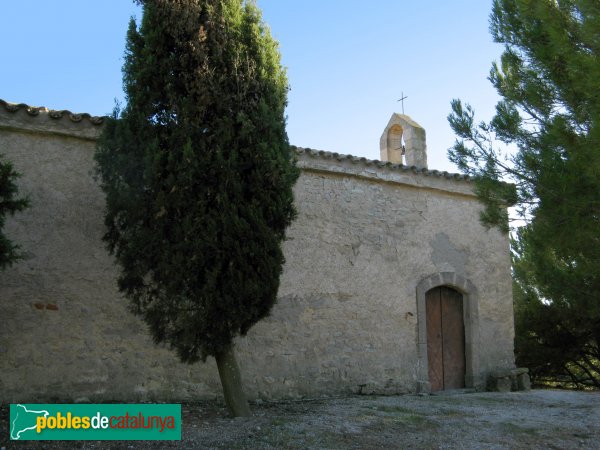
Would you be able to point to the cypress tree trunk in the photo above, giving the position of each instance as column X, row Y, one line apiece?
column 231, row 379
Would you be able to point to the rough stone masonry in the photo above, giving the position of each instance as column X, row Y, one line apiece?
column 371, row 239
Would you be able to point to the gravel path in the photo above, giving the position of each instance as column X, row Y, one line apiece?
column 520, row 420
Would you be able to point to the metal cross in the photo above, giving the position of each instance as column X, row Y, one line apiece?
column 402, row 100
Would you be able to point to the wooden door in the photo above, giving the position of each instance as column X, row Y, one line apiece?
column 445, row 339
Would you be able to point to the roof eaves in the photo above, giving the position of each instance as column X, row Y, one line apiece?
column 374, row 162
column 52, row 113
column 98, row 120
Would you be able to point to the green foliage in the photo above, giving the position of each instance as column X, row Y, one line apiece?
column 556, row 337
column 9, row 204
column 198, row 173
column 545, row 140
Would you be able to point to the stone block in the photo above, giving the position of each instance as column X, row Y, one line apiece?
column 506, row 380
column 523, row 382
column 503, row 384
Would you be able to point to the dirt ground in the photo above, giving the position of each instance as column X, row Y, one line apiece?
column 541, row 419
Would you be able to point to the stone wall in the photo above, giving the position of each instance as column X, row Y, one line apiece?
column 366, row 235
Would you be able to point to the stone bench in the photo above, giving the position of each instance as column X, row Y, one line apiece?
column 509, row 380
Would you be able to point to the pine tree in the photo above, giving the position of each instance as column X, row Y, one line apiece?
column 549, row 121
column 198, row 177
column 9, row 204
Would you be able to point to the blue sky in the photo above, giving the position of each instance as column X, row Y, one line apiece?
column 348, row 62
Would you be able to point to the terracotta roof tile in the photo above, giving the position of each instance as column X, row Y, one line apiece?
column 52, row 113
column 374, row 162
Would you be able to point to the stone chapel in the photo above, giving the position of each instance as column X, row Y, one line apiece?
column 391, row 284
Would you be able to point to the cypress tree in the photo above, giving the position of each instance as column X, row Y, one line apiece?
column 9, row 204
column 198, row 177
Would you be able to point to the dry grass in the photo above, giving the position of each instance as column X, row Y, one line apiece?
column 537, row 419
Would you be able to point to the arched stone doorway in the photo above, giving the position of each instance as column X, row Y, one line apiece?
column 465, row 295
